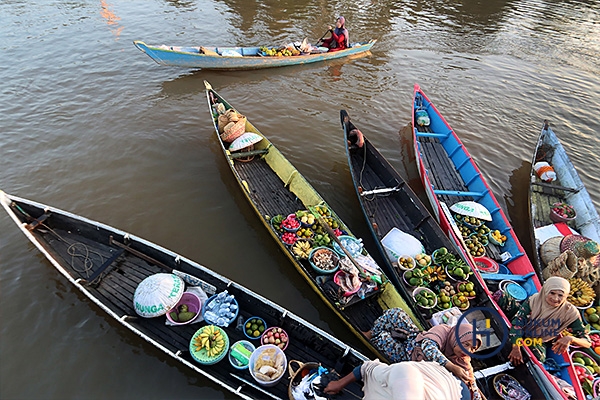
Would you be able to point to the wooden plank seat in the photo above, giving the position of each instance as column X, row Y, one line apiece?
column 38, row 221
column 104, row 266
column 251, row 153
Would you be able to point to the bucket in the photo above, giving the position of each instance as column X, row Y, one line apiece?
column 510, row 297
column 268, row 354
column 297, row 374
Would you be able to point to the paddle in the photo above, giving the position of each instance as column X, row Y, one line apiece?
column 325, row 34
column 325, row 225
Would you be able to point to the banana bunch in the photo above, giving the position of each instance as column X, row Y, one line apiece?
column 435, row 273
column 581, row 293
column 302, row 248
column 211, row 340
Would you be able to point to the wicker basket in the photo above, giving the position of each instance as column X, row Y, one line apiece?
column 233, row 132
column 550, row 249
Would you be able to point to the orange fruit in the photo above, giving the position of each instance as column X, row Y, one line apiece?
column 597, row 349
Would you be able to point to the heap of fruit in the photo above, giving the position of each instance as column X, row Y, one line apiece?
column 290, row 223
column 587, row 371
column 581, row 294
column 445, row 294
column 306, row 218
column 276, row 336
column 460, row 301
column 414, row 277
column 423, row 260
column 324, row 259
column 289, row 238
column 459, row 272
column 254, row 327
column 323, row 210
column 321, row 239
column 465, row 231
column 563, row 210
column 434, row 273
column 469, row 221
column 182, row 314
column 406, row 262
column 304, row 233
column 426, row 298
column 279, row 52
column 592, row 316
column 498, row 236
column 484, row 240
column 474, row 246
column 595, row 338
column 466, row 289
column 276, row 223
column 211, row 340
column 302, row 248
column 585, row 379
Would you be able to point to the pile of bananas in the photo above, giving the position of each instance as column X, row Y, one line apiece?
column 435, row 273
column 302, row 248
column 581, row 294
column 211, row 340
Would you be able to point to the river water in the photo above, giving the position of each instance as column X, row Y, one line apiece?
column 91, row 125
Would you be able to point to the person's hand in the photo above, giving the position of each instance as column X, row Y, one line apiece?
column 329, row 28
column 515, row 356
column 458, row 371
column 562, row 344
column 333, row 387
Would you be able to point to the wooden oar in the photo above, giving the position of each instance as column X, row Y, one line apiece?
column 323, row 36
column 324, row 224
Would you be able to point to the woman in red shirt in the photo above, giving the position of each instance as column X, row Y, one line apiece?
column 339, row 36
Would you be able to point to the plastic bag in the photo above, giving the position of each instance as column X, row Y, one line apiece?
column 422, row 118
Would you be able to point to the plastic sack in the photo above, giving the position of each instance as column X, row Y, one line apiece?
column 397, row 243
column 230, row 53
column 422, row 118
column 544, row 171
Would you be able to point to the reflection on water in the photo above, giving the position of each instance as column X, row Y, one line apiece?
column 111, row 19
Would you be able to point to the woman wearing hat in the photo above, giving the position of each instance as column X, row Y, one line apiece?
column 545, row 315
column 339, row 36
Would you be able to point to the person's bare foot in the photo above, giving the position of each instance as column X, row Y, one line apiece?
column 368, row 334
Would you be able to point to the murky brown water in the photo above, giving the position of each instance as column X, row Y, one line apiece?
column 92, row 125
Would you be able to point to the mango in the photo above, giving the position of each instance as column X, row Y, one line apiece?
column 186, row 316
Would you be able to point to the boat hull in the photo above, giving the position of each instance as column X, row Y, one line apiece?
column 190, row 57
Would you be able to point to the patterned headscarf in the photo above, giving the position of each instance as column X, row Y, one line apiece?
column 445, row 336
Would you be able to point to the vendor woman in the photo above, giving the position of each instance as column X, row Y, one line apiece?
column 546, row 315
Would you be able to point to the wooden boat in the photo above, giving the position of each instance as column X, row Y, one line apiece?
column 116, row 264
column 450, row 175
column 239, row 58
column 389, row 204
column 566, row 188
column 273, row 187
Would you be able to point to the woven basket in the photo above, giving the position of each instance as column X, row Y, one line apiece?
column 296, row 374
column 565, row 265
column 550, row 249
column 235, row 131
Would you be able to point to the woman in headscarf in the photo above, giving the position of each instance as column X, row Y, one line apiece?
column 546, row 315
column 339, row 36
column 410, row 380
column 399, row 339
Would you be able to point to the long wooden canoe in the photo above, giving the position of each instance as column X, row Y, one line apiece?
column 273, row 186
column 389, row 204
column 239, row 58
column 449, row 175
column 567, row 188
column 116, row 264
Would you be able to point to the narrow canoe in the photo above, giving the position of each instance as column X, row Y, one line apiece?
column 388, row 203
column 449, row 175
column 273, row 187
column 567, row 188
column 119, row 261
column 217, row 58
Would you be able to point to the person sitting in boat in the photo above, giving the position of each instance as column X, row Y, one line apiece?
column 339, row 36
column 356, row 139
column 546, row 315
column 423, row 380
column 399, row 339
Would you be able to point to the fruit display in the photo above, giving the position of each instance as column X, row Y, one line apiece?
column 276, row 336
column 483, row 239
column 304, row 233
column 497, row 237
column 460, row 301
column 302, row 248
column 324, row 259
column 425, row 298
column 466, row 289
column 474, row 247
column 465, row 231
column 290, row 223
column 321, row 239
column 592, row 317
column 581, row 295
column 471, row 222
column 445, row 293
column 563, row 210
column 587, row 370
column 254, row 327
column 406, row 262
column 210, row 341
column 323, row 210
column 423, row 260
column 182, row 314
column 289, row 238
column 279, row 51
column 306, row 218
column 276, row 223
column 458, row 272
column 414, row 277
column 595, row 338
column 434, row 273
column 332, row 222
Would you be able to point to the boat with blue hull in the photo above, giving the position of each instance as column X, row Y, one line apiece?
column 240, row 58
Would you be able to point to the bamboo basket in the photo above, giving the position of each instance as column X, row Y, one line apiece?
column 235, row 131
